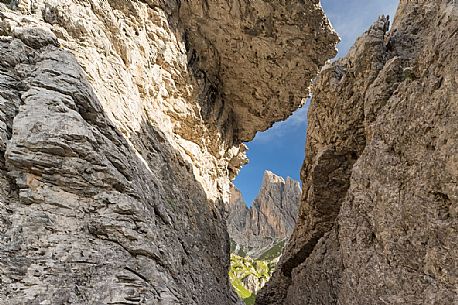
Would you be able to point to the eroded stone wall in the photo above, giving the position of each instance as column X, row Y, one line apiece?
column 378, row 222
column 119, row 136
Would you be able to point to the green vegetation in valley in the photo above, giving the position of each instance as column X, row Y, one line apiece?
column 237, row 249
column 250, row 300
column 247, row 274
column 273, row 252
column 243, row 292
column 244, row 267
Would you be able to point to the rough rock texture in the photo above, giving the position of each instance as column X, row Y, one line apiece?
column 260, row 51
column 118, row 138
column 270, row 219
column 88, row 217
column 378, row 222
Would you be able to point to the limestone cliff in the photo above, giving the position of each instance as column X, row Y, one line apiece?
column 378, row 222
column 259, row 233
column 269, row 220
column 121, row 126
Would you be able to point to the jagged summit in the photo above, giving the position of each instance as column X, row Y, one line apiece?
column 378, row 220
column 271, row 217
column 271, row 177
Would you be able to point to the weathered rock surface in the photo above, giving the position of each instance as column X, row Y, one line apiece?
column 119, row 133
column 260, row 51
column 269, row 220
column 378, row 222
column 259, row 233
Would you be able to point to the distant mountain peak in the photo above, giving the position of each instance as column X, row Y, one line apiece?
column 271, row 217
column 271, row 177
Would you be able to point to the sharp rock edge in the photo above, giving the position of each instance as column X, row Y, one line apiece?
column 121, row 125
column 378, row 221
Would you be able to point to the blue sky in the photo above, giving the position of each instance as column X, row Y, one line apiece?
column 281, row 148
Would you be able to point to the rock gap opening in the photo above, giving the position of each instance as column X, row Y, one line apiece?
column 264, row 203
column 281, row 149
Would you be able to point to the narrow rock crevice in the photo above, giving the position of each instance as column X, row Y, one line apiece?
column 127, row 136
column 384, row 105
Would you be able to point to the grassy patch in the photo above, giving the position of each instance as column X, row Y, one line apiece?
column 242, row 267
column 273, row 252
column 250, row 300
column 241, row 290
column 259, row 270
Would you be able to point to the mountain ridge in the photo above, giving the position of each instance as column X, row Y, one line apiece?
column 258, row 233
column 270, row 218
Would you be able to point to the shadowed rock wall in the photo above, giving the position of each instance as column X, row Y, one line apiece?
column 119, row 134
column 378, row 222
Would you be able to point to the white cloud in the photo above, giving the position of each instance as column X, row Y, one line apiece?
column 297, row 120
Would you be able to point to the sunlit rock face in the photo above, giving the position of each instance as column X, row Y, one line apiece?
column 261, row 55
column 378, row 221
column 269, row 220
column 119, row 133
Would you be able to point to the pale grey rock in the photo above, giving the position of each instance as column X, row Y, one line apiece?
column 116, row 152
column 36, row 37
column 269, row 220
column 378, row 221
column 84, row 218
column 241, row 44
column 237, row 213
